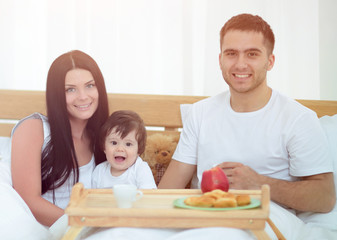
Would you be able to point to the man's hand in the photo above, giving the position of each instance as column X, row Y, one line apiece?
column 241, row 176
column 314, row 193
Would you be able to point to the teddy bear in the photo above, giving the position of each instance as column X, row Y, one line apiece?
column 158, row 153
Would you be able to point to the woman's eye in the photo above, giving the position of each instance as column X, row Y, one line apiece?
column 70, row 90
column 91, row 85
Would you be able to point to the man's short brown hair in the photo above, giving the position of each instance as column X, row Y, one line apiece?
column 249, row 22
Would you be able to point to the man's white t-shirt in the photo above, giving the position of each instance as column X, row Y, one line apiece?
column 283, row 140
column 139, row 174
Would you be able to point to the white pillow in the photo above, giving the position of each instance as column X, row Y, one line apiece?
column 327, row 220
column 5, row 155
column 5, row 173
column 5, row 149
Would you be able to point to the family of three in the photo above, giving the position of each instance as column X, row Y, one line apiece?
column 254, row 133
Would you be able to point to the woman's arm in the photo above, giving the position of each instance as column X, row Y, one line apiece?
column 27, row 142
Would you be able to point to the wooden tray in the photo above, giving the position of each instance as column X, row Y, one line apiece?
column 98, row 208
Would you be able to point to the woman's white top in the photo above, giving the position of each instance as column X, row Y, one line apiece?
column 62, row 194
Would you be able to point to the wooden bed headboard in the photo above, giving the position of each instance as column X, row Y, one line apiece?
column 157, row 110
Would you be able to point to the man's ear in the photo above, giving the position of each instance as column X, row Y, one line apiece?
column 271, row 61
column 220, row 60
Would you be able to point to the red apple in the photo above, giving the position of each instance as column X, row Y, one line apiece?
column 214, row 178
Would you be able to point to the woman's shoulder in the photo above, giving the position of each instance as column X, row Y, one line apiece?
column 28, row 125
column 34, row 121
column 27, row 142
column 33, row 124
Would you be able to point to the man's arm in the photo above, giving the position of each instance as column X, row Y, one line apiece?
column 314, row 193
column 177, row 175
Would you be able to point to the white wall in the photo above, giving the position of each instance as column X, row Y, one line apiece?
column 165, row 46
column 328, row 49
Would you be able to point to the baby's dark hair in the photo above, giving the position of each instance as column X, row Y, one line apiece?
column 124, row 121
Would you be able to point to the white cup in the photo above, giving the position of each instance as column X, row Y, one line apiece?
column 126, row 194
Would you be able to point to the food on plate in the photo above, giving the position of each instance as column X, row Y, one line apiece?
column 217, row 193
column 202, row 201
column 242, row 200
column 225, row 203
column 218, row 199
column 214, row 178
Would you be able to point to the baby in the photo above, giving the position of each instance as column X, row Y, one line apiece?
column 123, row 139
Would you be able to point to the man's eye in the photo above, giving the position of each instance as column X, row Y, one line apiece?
column 230, row 53
column 252, row 54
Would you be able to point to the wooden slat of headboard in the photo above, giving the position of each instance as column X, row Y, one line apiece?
column 6, row 129
column 17, row 104
column 156, row 110
column 321, row 107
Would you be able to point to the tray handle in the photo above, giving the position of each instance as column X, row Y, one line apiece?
column 76, row 193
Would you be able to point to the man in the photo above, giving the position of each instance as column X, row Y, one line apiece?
column 254, row 133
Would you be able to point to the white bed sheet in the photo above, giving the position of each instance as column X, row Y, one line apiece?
column 17, row 221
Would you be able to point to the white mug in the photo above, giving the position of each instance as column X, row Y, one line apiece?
column 126, row 194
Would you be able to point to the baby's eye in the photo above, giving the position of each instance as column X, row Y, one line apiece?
column 129, row 144
column 113, row 142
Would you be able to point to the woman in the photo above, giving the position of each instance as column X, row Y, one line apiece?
column 50, row 154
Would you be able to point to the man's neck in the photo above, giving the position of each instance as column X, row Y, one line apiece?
column 250, row 101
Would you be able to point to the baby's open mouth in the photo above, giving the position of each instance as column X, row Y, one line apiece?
column 119, row 159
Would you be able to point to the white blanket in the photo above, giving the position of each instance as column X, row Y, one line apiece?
column 17, row 221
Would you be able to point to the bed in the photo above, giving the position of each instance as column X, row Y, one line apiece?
column 161, row 113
